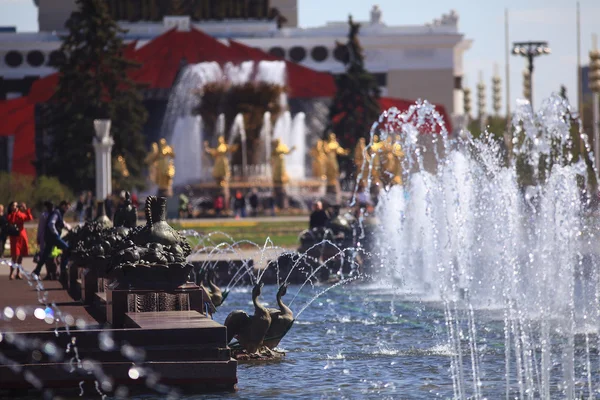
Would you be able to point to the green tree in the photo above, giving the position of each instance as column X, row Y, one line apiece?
column 355, row 106
column 94, row 83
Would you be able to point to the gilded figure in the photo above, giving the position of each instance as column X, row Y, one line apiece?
column 319, row 160
column 332, row 150
column 221, row 170
column 280, row 150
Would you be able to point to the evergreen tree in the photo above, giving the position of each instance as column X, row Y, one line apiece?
column 93, row 84
column 355, row 106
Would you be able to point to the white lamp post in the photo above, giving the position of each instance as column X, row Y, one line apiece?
column 103, row 144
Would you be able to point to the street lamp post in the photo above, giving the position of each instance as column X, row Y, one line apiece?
column 530, row 50
column 594, row 78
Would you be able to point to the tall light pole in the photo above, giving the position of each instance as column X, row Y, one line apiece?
column 530, row 50
column 594, row 78
column 481, row 105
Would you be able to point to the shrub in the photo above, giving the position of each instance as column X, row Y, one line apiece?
column 24, row 188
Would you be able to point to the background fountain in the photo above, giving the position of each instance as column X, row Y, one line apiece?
column 186, row 130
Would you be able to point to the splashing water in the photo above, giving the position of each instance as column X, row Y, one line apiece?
column 478, row 234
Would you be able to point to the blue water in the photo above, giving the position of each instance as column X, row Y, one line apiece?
column 355, row 341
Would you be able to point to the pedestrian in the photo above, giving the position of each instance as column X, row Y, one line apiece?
column 253, row 203
column 43, row 222
column 80, row 209
column 271, row 205
column 239, row 205
column 218, row 206
column 134, row 200
column 18, row 214
column 52, row 238
column 109, row 206
column 319, row 217
column 3, row 232
column 89, row 206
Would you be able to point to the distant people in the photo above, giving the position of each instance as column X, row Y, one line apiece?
column 239, row 205
column 319, row 217
column 271, row 205
column 134, row 200
column 52, row 238
column 219, row 204
column 3, row 232
column 42, row 223
column 18, row 214
column 80, row 209
column 184, row 202
column 89, row 206
column 253, row 203
column 109, row 206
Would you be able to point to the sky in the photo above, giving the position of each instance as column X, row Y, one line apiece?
column 553, row 21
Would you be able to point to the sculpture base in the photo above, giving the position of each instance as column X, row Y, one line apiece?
column 116, row 300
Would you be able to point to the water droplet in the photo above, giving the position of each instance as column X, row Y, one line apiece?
column 49, row 348
column 134, row 373
column 36, row 355
column 39, row 313
column 8, row 313
column 80, row 323
column 106, row 341
column 21, row 314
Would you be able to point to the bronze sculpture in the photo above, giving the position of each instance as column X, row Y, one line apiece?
column 394, row 154
column 375, row 152
column 280, row 150
column 126, row 214
column 332, row 150
column 221, row 169
column 362, row 166
column 162, row 167
column 319, row 159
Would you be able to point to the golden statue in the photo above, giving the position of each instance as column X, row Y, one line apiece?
column 394, row 155
column 152, row 161
column 375, row 152
column 332, row 150
column 221, row 170
column 280, row 150
column 122, row 167
column 165, row 168
column 362, row 167
column 319, row 160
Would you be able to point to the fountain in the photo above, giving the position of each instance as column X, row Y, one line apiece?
column 187, row 130
column 513, row 240
column 484, row 285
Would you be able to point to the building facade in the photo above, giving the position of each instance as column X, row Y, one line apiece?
column 410, row 62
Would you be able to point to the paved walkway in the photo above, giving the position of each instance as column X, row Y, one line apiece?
column 20, row 298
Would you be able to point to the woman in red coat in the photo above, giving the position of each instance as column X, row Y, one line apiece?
column 18, row 215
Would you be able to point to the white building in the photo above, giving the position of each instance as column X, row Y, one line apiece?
column 410, row 62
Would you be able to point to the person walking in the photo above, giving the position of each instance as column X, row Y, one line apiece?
column 43, row 221
column 80, row 209
column 18, row 214
column 3, row 232
column 52, row 239
column 253, row 200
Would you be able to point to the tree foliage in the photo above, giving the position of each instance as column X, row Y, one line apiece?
column 94, row 83
column 355, row 106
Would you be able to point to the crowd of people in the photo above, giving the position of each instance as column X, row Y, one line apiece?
column 50, row 226
column 52, row 248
